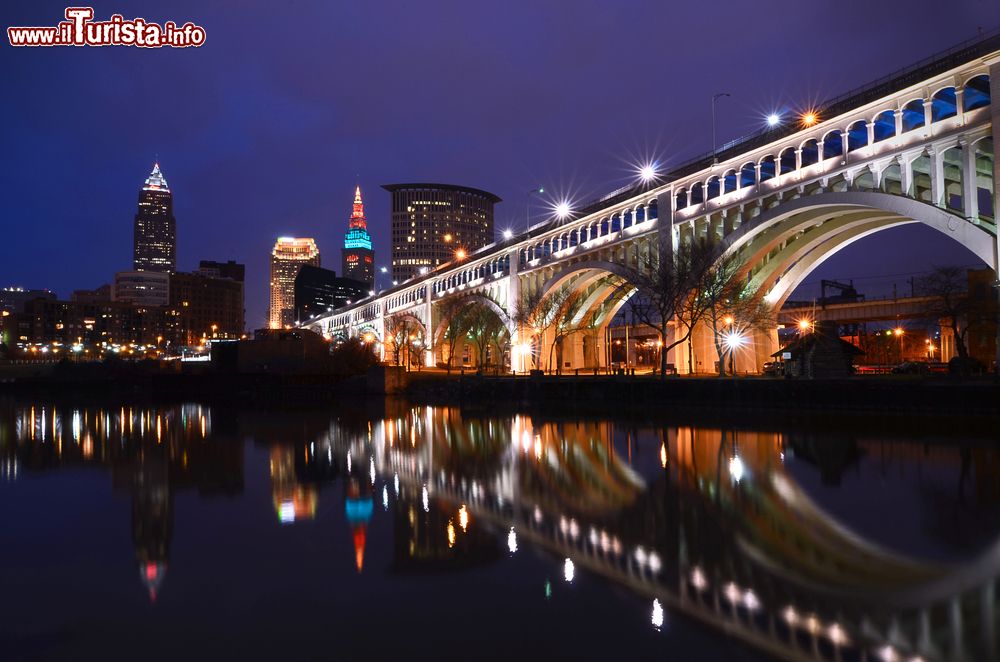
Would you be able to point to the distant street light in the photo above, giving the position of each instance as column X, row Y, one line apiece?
column 508, row 233
column 527, row 205
column 773, row 120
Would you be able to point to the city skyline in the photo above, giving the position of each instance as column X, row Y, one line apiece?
column 238, row 208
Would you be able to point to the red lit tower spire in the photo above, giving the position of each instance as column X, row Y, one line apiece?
column 358, row 215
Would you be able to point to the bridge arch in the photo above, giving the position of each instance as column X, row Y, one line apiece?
column 784, row 244
column 465, row 301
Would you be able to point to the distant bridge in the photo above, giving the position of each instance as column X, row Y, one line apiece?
column 915, row 147
column 856, row 312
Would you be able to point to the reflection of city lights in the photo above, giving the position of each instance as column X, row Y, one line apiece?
column 736, row 468
column 698, row 579
column 654, row 562
column 663, row 455
column 286, row 513
column 425, row 499
column 750, row 600
column 837, row 635
column 538, row 447
column 385, row 497
column 569, row 570
column 463, row 518
column 395, row 483
column 732, row 592
column 888, row 653
column 512, row 541
column 348, row 461
column 657, row 614
column 791, row 616
column 371, row 470
column 451, row 534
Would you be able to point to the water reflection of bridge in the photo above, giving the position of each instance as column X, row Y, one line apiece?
column 709, row 523
column 720, row 532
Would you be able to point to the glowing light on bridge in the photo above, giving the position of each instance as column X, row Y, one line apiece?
column 773, row 120
column 804, row 324
column 648, row 172
column 569, row 570
column 508, row 233
column 460, row 254
column 563, row 210
column 809, row 118
column 657, row 614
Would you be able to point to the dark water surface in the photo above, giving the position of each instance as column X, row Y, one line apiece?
column 403, row 532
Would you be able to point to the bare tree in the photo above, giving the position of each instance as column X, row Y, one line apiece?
column 948, row 286
column 666, row 290
column 484, row 327
column 456, row 315
column 403, row 329
column 730, row 308
column 540, row 312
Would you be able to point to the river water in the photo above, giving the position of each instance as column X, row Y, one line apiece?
column 396, row 531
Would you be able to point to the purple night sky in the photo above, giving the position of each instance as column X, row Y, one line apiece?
column 266, row 129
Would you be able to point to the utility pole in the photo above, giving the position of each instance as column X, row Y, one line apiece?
column 715, row 98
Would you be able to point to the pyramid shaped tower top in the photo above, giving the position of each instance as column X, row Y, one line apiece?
column 156, row 181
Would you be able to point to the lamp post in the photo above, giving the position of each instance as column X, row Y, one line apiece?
column 527, row 205
column 715, row 97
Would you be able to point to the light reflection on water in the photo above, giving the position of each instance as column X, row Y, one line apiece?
column 795, row 543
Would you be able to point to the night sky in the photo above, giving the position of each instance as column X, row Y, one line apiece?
column 266, row 129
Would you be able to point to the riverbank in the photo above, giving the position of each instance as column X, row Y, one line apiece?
column 888, row 394
column 898, row 395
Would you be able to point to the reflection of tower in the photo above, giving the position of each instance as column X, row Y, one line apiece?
column 292, row 500
column 358, row 507
column 152, row 520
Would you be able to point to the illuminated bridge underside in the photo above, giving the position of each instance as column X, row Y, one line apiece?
column 921, row 153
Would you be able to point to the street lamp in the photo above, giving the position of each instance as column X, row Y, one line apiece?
column 647, row 173
column 527, row 205
column 773, row 120
column 508, row 233
column 715, row 97
column 563, row 210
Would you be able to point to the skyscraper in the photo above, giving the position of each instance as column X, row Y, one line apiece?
column 358, row 256
column 430, row 222
column 154, row 234
column 287, row 257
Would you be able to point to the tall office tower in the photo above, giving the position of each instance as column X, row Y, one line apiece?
column 154, row 234
column 430, row 222
column 358, row 256
column 287, row 257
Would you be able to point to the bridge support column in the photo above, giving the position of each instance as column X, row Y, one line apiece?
column 937, row 178
column 970, row 201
